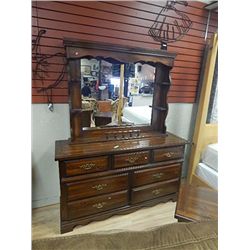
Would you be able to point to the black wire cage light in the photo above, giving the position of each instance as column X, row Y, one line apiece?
column 170, row 24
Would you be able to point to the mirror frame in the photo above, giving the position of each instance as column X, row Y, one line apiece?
column 160, row 59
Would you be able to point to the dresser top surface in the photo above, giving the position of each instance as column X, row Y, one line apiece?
column 66, row 150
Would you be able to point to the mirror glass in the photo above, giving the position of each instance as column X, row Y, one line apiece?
column 212, row 114
column 100, row 89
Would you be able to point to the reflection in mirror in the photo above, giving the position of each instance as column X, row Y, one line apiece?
column 140, row 89
column 100, row 89
column 212, row 114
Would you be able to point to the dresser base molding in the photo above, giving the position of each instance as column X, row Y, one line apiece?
column 67, row 226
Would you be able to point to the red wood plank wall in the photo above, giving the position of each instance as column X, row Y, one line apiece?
column 120, row 22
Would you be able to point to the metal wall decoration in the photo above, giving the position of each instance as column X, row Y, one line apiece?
column 41, row 67
column 40, row 63
column 172, row 27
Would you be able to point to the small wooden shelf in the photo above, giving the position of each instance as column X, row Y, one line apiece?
column 74, row 81
column 77, row 111
column 158, row 108
column 165, row 83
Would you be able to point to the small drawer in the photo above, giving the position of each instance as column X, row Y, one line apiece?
column 85, row 166
column 97, row 204
column 131, row 159
column 152, row 191
column 165, row 154
column 98, row 186
column 147, row 176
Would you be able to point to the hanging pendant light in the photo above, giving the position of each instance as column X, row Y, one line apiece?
column 170, row 24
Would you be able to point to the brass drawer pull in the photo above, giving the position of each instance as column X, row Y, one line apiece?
column 157, row 175
column 156, row 191
column 99, row 205
column 100, row 186
column 88, row 166
column 132, row 159
column 169, row 154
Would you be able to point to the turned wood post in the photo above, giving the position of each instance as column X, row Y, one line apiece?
column 75, row 100
column 160, row 104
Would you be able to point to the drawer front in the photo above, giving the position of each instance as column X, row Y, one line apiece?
column 85, row 166
column 154, row 190
column 98, row 186
column 131, row 159
column 147, row 176
column 168, row 153
column 97, row 204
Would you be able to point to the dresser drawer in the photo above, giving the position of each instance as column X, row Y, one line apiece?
column 147, row 176
column 98, row 186
column 131, row 159
column 85, row 166
column 97, row 204
column 168, row 153
column 152, row 191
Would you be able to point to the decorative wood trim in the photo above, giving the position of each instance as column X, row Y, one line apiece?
column 76, row 49
column 76, row 43
column 67, row 226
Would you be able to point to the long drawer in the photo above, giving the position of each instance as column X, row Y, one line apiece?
column 152, row 191
column 165, row 154
column 131, row 159
column 84, row 189
column 97, row 204
column 85, row 166
column 147, row 176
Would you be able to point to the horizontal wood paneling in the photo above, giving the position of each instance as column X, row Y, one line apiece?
column 124, row 23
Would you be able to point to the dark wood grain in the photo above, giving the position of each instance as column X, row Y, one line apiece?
column 131, row 159
column 153, row 191
column 148, row 176
column 95, row 187
column 96, row 204
column 114, row 171
column 68, row 225
column 196, row 203
column 159, row 104
column 168, row 153
column 85, row 166
column 81, row 48
column 91, row 185
column 65, row 150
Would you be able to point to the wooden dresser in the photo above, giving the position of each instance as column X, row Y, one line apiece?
column 101, row 179
column 106, row 171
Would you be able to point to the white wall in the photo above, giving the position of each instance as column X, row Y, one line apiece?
column 181, row 121
column 47, row 127
column 139, row 100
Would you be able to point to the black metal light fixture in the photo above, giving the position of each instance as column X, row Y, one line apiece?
column 170, row 24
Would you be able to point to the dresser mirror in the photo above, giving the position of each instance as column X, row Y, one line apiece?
column 113, row 86
column 100, row 93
